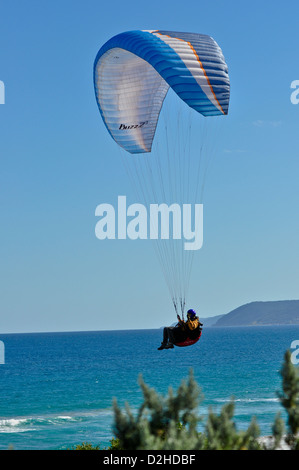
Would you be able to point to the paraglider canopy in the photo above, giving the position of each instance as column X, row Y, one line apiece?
column 134, row 70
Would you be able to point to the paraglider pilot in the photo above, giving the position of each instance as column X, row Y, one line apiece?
column 190, row 329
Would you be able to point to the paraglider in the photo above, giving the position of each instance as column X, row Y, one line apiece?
column 133, row 72
column 184, row 333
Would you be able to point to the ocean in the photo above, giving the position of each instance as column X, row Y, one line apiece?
column 57, row 389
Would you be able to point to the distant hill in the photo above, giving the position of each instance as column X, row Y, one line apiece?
column 210, row 321
column 281, row 312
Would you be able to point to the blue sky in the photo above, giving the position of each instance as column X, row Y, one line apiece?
column 58, row 163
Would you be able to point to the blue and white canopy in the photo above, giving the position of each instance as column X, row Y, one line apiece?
column 134, row 70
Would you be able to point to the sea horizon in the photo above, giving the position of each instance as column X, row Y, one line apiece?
column 145, row 329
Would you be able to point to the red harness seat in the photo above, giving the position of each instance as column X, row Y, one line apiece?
column 187, row 342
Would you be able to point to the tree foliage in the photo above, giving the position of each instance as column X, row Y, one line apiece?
column 171, row 422
column 289, row 398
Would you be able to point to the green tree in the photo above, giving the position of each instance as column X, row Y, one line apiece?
column 161, row 422
column 277, row 431
column 289, row 398
column 221, row 432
